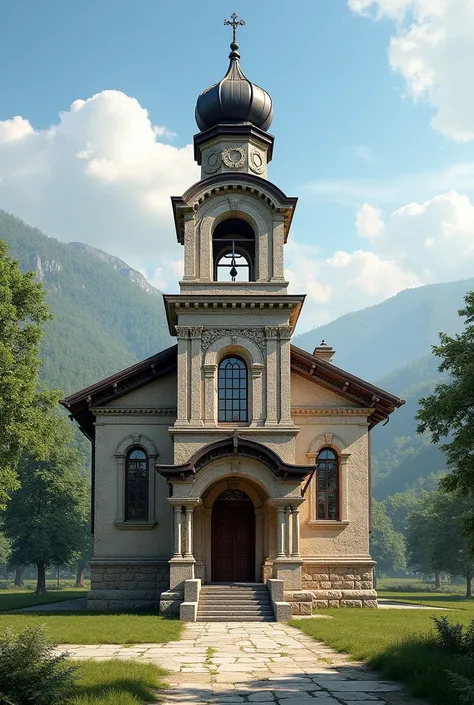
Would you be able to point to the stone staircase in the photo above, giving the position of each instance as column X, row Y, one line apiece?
column 235, row 602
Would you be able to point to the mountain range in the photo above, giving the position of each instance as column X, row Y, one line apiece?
column 107, row 316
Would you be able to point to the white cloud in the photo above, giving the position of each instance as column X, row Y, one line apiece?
column 433, row 50
column 100, row 175
column 419, row 243
column 419, row 185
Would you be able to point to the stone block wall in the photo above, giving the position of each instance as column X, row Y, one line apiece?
column 120, row 585
column 339, row 586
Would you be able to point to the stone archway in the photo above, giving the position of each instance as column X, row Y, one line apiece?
column 233, row 538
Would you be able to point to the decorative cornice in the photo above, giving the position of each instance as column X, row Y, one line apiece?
column 254, row 334
column 121, row 411
column 331, row 411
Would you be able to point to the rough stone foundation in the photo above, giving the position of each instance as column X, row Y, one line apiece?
column 119, row 585
column 333, row 586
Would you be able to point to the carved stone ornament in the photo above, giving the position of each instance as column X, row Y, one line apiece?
column 195, row 331
column 234, row 157
column 213, row 161
column 182, row 331
column 256, row 161
column 256, row 336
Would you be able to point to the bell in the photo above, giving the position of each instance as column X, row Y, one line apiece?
column 233, row 272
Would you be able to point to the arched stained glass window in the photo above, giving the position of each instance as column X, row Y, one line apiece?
column 136, row 485
column 327, row 485
column 232, row 390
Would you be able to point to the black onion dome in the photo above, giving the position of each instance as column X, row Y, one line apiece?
column 234, row 99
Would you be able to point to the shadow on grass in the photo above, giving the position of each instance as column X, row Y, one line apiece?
column 425, row 667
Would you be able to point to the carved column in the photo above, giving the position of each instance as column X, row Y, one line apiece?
column 285, row 375
column 288, row 531
column 178, row 532
column 188, row 551
column 195, row 333
column 281, row 526
column 295, row 547
column 271, row 333
column 182, row 418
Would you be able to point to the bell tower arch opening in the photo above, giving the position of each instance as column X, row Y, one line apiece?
column 233, row 251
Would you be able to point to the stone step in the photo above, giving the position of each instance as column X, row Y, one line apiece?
column 224, row 603
column 234, row 618
column 231, row 594
column 235, row 608
column 235, row 613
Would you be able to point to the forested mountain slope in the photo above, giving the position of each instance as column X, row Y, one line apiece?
column 377, row 340
column 103, row 319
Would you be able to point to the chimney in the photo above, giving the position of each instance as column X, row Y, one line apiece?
column 324, row 352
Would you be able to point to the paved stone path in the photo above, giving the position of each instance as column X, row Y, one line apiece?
column 266, row 662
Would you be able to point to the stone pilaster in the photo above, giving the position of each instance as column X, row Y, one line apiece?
column 278, row 242
column 182, row 418
column 257, row 393
column 209, row 394
column 271, row 333
column 285, row 376
column 195, row 333
column 189, row 247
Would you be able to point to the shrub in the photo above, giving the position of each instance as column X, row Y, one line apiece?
column 449, row 636
column 31, row 673
column 463, row 686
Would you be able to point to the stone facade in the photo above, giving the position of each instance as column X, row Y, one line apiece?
column 119, row 585
column 340, row 585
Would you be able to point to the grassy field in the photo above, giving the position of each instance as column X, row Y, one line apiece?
column 399, row 643
column 109, row 683
column 15, row 599
column 430, row 599
column 98, row 628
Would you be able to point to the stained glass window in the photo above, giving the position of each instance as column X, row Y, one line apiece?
column 327, row 485
column 232, row 390
column 136, row 486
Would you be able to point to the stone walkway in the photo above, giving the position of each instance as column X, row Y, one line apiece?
column 266, row 662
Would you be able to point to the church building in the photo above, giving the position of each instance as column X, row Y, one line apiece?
column 231, row 471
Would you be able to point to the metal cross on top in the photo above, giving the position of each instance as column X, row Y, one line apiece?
column 234, row 23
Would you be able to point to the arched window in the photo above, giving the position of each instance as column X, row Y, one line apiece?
column 327, row 485
column 232, row 389
column 233, row 251
column 136, row 485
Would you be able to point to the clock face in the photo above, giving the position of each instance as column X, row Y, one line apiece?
column 234, row 157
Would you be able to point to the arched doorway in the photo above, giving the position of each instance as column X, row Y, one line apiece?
column 233, row 537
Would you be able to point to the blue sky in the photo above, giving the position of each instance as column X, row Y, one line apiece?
column 355, row 137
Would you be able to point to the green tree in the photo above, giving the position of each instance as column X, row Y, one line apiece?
column 387, row 546
column 437, row 538
column 448, row 413
column 22, row 315
column 45, row 516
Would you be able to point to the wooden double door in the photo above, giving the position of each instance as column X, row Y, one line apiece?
column 233, row 538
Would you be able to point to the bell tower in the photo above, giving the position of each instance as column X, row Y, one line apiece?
column 233, row 316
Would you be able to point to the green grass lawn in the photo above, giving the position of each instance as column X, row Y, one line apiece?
column 398, row 643
column 117, row 683
column 430, row 599
column 98, row 628
column 15, row 599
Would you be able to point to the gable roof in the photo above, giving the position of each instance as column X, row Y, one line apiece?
column 79, row 404
column 303, row 363
column 344, row 384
